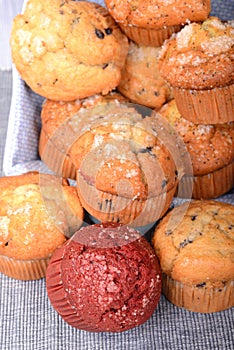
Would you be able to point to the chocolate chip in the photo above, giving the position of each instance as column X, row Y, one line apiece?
column 193, row 217
column 145, row 150
column 185, row 242
column 201, row 285
column 108, row 31
column 105, row 66
column 6, row 244
column 99, row 33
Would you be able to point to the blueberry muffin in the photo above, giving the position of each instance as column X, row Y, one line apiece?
column 195, row 245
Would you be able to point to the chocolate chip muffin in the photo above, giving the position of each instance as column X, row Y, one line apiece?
column 141, row 80
column 37, row 214
column 105, row 279
column 195, row 245
column 65, row 50
column 125, row 171
column 55, row 146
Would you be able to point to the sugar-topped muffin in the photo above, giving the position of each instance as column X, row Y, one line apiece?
column 126, row 172
column 37, row 214
column 141, row 80
column 195, row 245
column 65, row 50
column 198, row 63
column 211, row 150
column 54, row 116
column 106, row 278
column 150, row 22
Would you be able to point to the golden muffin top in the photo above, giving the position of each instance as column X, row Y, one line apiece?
column 200, row 56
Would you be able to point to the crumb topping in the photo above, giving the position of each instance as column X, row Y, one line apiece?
column 209, row 146
column 199, row 56
column 113, row 285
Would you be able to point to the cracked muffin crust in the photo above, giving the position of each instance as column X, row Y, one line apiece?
column 195, row 246
column 105, row 279
column 54, row 115
column 34, row 222
column 125, row 172
column 198, row 63
column 141, row 80
column 212, row 154
column 66, row 50
column 151, row 22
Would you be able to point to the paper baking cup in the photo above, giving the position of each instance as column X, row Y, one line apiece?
column 59, row 162
column 149, row 37
column 108, row 207
column 213, row 106
column 26, row 270
column 198, row 298
column 58, row 296
column 208, row 186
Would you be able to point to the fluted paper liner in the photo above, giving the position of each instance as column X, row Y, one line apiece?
column 57, row 293
column 197, row 298
column 212, row 106
column 208, row 186
column 59, row 162
column 151, row 36
column 108, row 207
column 26, row 270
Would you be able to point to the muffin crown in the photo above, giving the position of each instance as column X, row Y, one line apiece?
column 210, row 146
column 200, row 56
column 157, row 13
column 195, row 243
column 106, row 278
column 50, row 51
column 33, row 216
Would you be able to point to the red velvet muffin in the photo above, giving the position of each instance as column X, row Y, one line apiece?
column 106, row 278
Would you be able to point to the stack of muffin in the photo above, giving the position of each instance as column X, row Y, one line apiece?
column 138, row 105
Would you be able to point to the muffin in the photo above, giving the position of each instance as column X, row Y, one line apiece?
column 65, row 50
column 141, row 81
column 105, row 279
column 37, row 214
column 150, row 23
column 125, row 171
column 212, row 155
column 55, row 147
column 198, row 64
column 195, row 244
